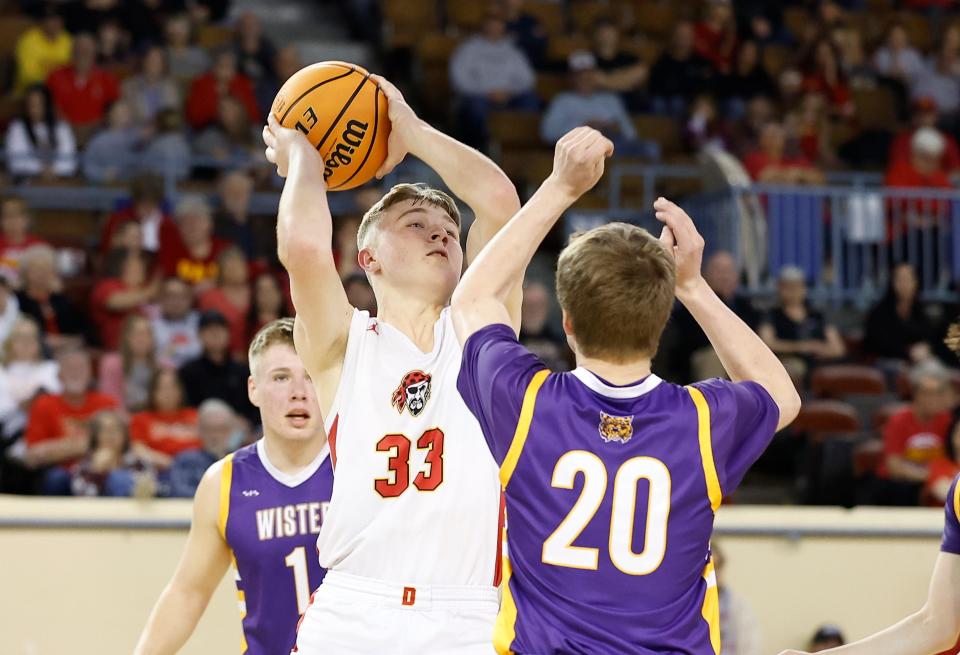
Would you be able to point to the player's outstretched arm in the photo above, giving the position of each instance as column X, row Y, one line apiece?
column 931, row 630
column 483, row 295
column 204, row 561
column 305, row 248
column 743, row 354
column 470, row 175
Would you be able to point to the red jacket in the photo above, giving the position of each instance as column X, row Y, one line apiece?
column 83, row 104
column 203, row 101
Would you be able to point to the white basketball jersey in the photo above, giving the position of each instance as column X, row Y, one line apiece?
column 416, row 497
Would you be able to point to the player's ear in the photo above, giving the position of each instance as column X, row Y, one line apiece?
column 252, row 392
column 567, row 324
column 368, row 260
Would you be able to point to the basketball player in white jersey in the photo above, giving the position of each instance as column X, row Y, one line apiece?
column 411, row 538
column 260, row 507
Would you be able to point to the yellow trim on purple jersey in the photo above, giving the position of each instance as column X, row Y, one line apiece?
column 226, row 478
column 711, row 605
column 505, row 629
column 706, row 448
column 956, row 501
column 523, row 427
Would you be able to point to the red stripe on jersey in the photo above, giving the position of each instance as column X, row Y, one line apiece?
column 300, row 621
column 332, row 440
column 498, row 567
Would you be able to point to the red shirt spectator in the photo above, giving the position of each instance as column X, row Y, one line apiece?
column 125, row 290
column 231, row 297
column 916, row 435
column 715, row 37
column 921, row 171
column 82, row 91
column 166, row 432
column 14, row 236
column 192, row 256
column 770, row 163
column 58, row 430
column 900, row 150
column 203, row 102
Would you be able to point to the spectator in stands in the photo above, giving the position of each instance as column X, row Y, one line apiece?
column 746, row 79
column 586, row 105
column 744, row 133
column 167, row 153
column 214, row 374
column 125, row 373
column 536, row 332
column 679, row 75
column 184, row 60
column 715, row 37
column 620, row 71
column 286, row 63
column 113, row 47
column 739, row 628
column 145, row 208
column 152, row 89
column 826, row 636
column 222, row 81
column 111, row 154
column 58, row 430
column 527, row 32
column 230, row 140
column 760, row 20
column 925, row 114
column 42, row 299
column 896, row 58
column 360, row 293
column 267, row 304
column 231, row 298
column 897, row 330
column 687, row 350
column 950, row 46
column 857, row 68
column 488, row 72
column 798, row 334
column 111, row 467
column 704, row 128
column 823, row 74
column 37, row 142
column 29, row 371
column 176, row 327
column 940, row 82
column 81, row 90
column 944, row 469
column 771, row 164
column 255, row 55
column 216, row 424
column 41, row 49
column 193, row 255
column 232, row 222
column 15, row 237
column 9, row 309
column 167, row 426
column 809, row 126
column 125, row 290
column 915, row 436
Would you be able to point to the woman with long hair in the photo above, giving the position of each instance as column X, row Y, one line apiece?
column 38, row 142
column 167, row 426
column 126, row 374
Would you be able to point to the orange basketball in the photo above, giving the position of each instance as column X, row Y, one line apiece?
column 344, row 115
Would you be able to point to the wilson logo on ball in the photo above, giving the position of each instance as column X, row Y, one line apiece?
column 342, row 153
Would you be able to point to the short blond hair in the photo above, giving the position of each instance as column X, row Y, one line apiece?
column 274, row 333
column 617, row 285
column 417, row 193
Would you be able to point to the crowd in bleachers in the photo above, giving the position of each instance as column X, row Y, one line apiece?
column 124, row 333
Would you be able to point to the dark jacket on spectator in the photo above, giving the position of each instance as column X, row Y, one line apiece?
column 203, row 378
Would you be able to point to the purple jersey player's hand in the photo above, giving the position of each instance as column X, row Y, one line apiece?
column 578, row 160
column 682, row 239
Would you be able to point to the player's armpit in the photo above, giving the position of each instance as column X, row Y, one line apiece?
column 205, row 559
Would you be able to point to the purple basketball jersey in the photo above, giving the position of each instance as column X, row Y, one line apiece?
column 270, row 521
column 951, row 524
column 610, row 498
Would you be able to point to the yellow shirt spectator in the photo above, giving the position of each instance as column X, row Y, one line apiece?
column 37, row 55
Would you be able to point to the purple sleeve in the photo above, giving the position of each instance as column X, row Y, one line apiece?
column 743, row 420
column 494, row 375
column 951, row 524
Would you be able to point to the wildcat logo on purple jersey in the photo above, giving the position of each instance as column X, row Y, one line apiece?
column 413, row 392
column 616, row 428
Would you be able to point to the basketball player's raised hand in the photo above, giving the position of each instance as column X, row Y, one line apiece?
column 578, row 160
column 402, row 121
column 282, row 141
column 680, row 236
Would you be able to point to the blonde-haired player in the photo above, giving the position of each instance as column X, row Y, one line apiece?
column 411, row 538
column 260, row 507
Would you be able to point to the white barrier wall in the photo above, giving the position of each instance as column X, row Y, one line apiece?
column 88, row 590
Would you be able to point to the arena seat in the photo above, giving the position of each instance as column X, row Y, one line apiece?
column 841, row 380
column 550, row 14
column 883, row 414
column 818, row 417
column 662, row 129
column 654, row 18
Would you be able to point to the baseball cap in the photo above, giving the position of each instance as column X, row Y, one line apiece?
column 581, row 60
column 791, row 274
column 212, row 317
